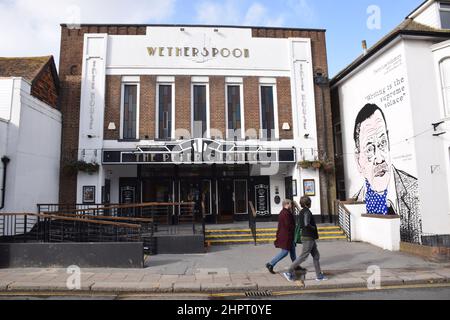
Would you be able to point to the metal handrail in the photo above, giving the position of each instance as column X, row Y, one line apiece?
column 252, row 221
column 344, row 219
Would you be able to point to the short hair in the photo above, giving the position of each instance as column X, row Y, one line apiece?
column 366, row 112
column 286, row 202
column 305, row 202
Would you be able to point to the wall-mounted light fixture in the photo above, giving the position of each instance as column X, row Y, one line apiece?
column 182, row 29
column 306, row 135
column 112, row 126
column 286, row 126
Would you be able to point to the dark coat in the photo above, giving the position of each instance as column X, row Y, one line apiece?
column 308, row 224
column 286, row 230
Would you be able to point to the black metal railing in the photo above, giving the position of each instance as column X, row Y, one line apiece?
column 31, row 227
column 163, row 214
column 344, row 219
column 252, row 221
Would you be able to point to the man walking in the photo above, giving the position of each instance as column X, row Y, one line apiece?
column 285, row 236
column 309, row 236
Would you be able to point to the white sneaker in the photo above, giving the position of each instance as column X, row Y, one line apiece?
column 288, row 276
column 321, row 278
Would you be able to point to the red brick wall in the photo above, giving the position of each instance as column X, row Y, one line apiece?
column 147, row 108
column 112, row 106
column 251, row 105
column 44, row 88
column 217, row 104
column 284, row 106
column 183, row 102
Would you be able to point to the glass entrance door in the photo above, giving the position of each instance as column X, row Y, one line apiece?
column 157, row 191
column 240, row 197
column 198, row 191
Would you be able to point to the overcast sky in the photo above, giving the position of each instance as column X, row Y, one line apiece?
column 31, row 27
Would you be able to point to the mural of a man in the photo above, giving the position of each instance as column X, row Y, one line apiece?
column 387, row 190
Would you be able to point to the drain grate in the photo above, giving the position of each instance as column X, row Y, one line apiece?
column 258, row 294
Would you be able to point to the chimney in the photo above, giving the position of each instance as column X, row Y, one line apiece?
column 364, row 46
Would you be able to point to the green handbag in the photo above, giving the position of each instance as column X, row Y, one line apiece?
column 298, row 234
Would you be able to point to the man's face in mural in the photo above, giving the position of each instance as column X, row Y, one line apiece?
column 373, row 157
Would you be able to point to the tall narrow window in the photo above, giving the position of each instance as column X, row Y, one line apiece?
column 445, row 79
column 267, row 112
column 130, row 112
column 445, row 15
column 234, row 108
column 200, row 124
column 165, row 112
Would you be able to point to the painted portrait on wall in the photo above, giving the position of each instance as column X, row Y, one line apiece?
column 387, row 190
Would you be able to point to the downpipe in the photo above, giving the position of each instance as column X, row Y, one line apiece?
column 5, row 161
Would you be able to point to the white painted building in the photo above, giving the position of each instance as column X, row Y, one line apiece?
column 391, row 114
column 196, row 69
column 30, row 135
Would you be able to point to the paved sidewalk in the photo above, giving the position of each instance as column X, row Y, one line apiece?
column 236, row 269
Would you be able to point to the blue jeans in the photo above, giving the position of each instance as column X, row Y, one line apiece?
column 283, row 254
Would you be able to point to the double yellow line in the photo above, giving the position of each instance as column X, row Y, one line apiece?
column 235, row 295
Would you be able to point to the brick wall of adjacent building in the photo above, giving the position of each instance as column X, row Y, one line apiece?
column 44, row 87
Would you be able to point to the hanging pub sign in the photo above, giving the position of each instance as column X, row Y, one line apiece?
column 262, row 199
column 200, row 151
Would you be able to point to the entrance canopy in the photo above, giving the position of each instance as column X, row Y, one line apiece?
column 200, row 151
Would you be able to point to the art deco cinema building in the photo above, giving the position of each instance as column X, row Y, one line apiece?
column 174, row 113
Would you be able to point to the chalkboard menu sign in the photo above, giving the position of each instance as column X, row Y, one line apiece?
column 262, row 199
column 128, row 195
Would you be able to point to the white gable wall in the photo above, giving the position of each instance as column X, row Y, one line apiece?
column 430, row 16
column 432, row 160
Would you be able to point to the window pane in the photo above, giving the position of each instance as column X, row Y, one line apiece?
column 130, row 112
column 445, row 19
column 445, row 72
column 165, row 112
column 445, row 75
column 234, row 107
column 447, row 102
column 267, row 112
column 199, row 111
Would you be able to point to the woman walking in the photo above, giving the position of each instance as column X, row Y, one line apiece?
column 285, row 236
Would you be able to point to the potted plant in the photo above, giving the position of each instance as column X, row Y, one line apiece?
column 74, row 167
column 305, row 164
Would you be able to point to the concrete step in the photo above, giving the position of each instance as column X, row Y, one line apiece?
column 263, row 235
column 263, row 240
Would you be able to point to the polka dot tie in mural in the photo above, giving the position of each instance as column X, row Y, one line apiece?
column 376, row 203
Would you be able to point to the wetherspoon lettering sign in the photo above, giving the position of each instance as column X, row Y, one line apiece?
column 198, row 52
